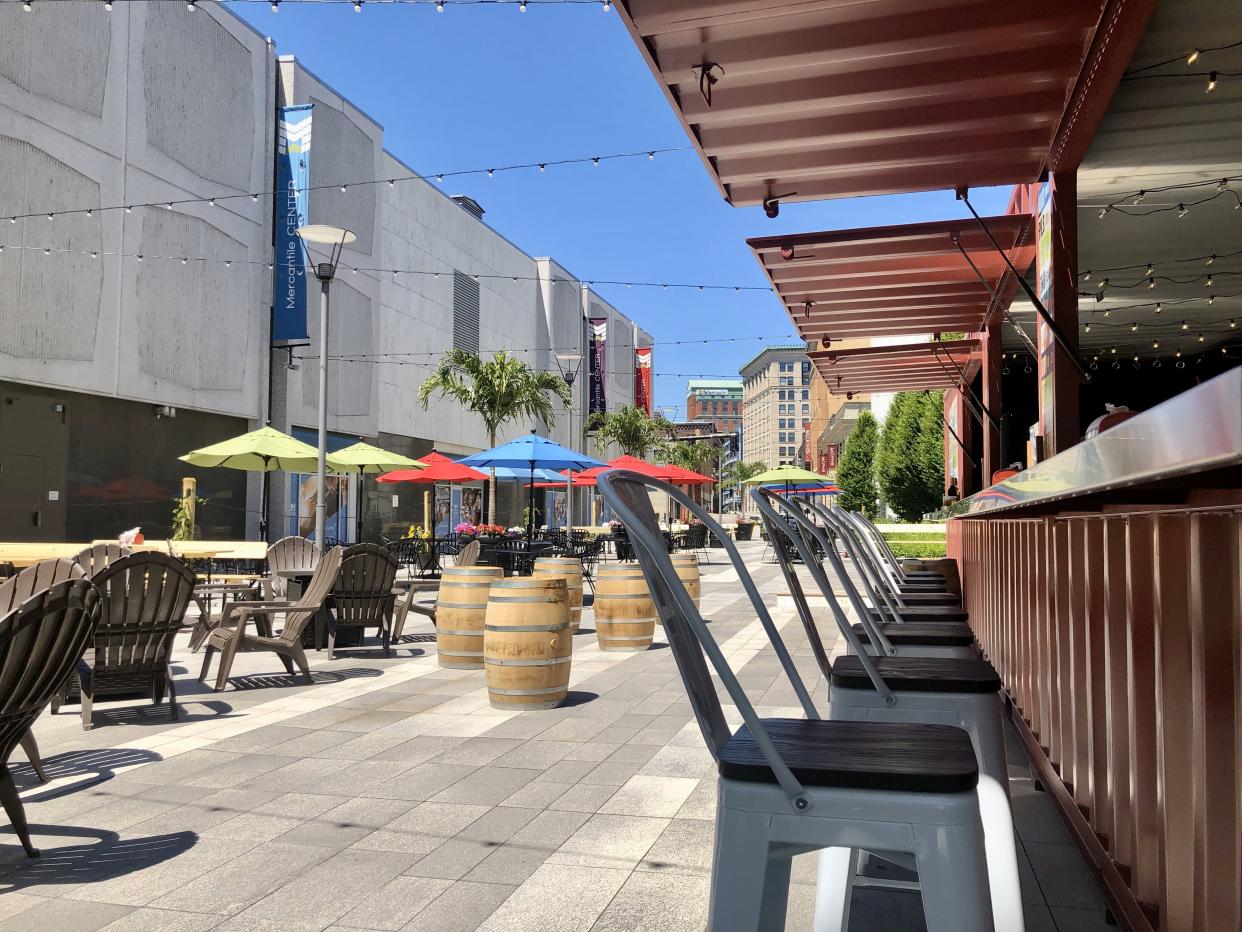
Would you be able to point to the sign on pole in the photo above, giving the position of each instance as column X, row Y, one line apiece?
column 293, row 141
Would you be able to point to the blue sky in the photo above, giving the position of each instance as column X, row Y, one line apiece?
column 480, row 86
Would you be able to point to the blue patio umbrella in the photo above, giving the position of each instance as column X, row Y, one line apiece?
column 531, row 453
column 509, row 474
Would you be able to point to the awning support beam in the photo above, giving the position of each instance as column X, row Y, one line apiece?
column 995, row 299
column 965, row 385
column 1053, row 327
column 972, row 404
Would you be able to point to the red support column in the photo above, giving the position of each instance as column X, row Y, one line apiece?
column 1057, row 285
column 991, row 345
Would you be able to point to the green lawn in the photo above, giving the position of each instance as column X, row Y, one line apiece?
column 919, row 544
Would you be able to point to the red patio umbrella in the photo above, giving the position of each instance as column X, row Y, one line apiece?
column 683, row 476
column 439, row 469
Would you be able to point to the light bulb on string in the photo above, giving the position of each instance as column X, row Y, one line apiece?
column 439, row 7
column 491, row 173
column 1211, row 299
column 1138, row 198
column 1211, row 84
column 1222, row 185
column 1185, row 326
column 1200, row 338
column 275, row 6
column 650, row 156
column 26, row 6
column 1134, row 326
column 522, row 7
column 1155, row 344
column 1192, row 57
column 1207, row 282
column 1210, row 259
column 1181, row 211
column 607, row 5
column 1159, row 307
column 1104, row 211
column 108, row 5
column 358, row 6
column 191, row 6
column 1233, row 325
column 1086, row 329
column 1151, row 283
column 439, row 178
column 1151, row 269
column 1086, row 276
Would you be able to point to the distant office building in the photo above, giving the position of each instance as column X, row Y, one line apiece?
column 776, row 404
column 716, row 400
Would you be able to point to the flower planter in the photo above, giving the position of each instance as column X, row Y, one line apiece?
column 744, row 532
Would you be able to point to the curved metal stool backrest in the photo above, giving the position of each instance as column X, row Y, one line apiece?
column 289, row 553
column 692, row 644
column 881, row 588
column 868, row 530
column 877, row 589
column 786, row 523
column 99, row 557
column 866, row 537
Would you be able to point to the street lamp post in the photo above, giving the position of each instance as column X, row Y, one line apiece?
column 335, row 238
column 569, row 364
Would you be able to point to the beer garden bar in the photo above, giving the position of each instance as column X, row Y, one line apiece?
column 1104, row 579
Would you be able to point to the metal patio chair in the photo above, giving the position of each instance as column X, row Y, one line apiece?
column 363, row 593
column 907, row 574
column 953, row 691
column 144, row 597
column 923, row 591
column 40, row 641
column 231, row 636
column 791, row 786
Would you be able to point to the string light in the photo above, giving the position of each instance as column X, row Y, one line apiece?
column 1150, row 270
column 440, row 176
column 1200, row 338
column 439, row 7
column 275, row 6
column 358, row 6
column 1181, row 211
column 1210, row 259
column 1211, row 84
column 1192, row 57
column 1207, row 282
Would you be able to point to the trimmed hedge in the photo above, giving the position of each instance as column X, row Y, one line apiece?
column 920, row 550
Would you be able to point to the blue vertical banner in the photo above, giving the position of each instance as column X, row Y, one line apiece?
column 293, row 143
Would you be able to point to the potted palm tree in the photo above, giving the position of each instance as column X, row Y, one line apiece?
column 498, row 390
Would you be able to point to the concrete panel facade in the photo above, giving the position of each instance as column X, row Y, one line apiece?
column 133, row 106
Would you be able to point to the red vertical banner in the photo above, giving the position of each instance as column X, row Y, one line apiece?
column 830, row 457
column 642, row 379
column 823, row 467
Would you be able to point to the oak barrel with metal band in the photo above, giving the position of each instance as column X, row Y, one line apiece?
column 527, row 643
column 687, row 567
column 460, row 609
column 569, row 569
column 625, row 616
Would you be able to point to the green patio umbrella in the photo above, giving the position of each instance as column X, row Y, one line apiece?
column 786, row 475
column 363, row 458
column 264, row 450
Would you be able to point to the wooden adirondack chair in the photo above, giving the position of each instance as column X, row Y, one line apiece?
column 231, row 635
column 99, row 557
column 144, row 599
column 15, row 590
column 47, row 633
column 363, row 594
column 288, row 553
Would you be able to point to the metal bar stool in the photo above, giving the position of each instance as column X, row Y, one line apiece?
column 950, row 691
column 867, row 536
column 897, row 638
column 867, row 527
column 791, row 786
column 885, row 605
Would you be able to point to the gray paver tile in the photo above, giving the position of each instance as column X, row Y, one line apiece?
column 651, row 796
column 348, row 823
column 63, row 916
column 613, row 773
column 537, row 795
column 397, row 903
column 422, row 781
column 460, row 908
column 163, row 920
column 486, row 786
column 235, row 885
column 423, row 829
column 585, row 797
column 557, row 898
column 610, row 841
column 684, row 847
column 657, row 903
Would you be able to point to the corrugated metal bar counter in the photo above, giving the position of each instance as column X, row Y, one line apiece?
column 1105, row 585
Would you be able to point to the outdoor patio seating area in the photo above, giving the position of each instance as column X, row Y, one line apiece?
column 389, row 794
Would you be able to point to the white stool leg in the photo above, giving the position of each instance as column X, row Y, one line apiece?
column 834, row 889
column 743, row 874
column 953, row 877
column 1002, row 855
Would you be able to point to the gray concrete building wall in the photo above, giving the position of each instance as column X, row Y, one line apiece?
column 148, row 103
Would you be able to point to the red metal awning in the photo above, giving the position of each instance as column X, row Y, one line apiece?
column 909, row 367
column 894, row 280
column 811, row 99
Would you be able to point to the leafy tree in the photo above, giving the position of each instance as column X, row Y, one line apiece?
column 856, row 471
column 738, row 473
column 630, row 430
column 502, row 389
column 909, row 465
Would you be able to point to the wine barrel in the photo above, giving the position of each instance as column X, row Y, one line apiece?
column 569, row 569
column 625, row 616
column 687, row 567
column 461, row 605
column 527, row 643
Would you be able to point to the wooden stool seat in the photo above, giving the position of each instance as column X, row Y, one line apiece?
column 938, row 633
column 918, row 674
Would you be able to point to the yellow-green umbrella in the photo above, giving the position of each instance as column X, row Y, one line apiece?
column 363, row 458
column 786, row 475
column 264, row 450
